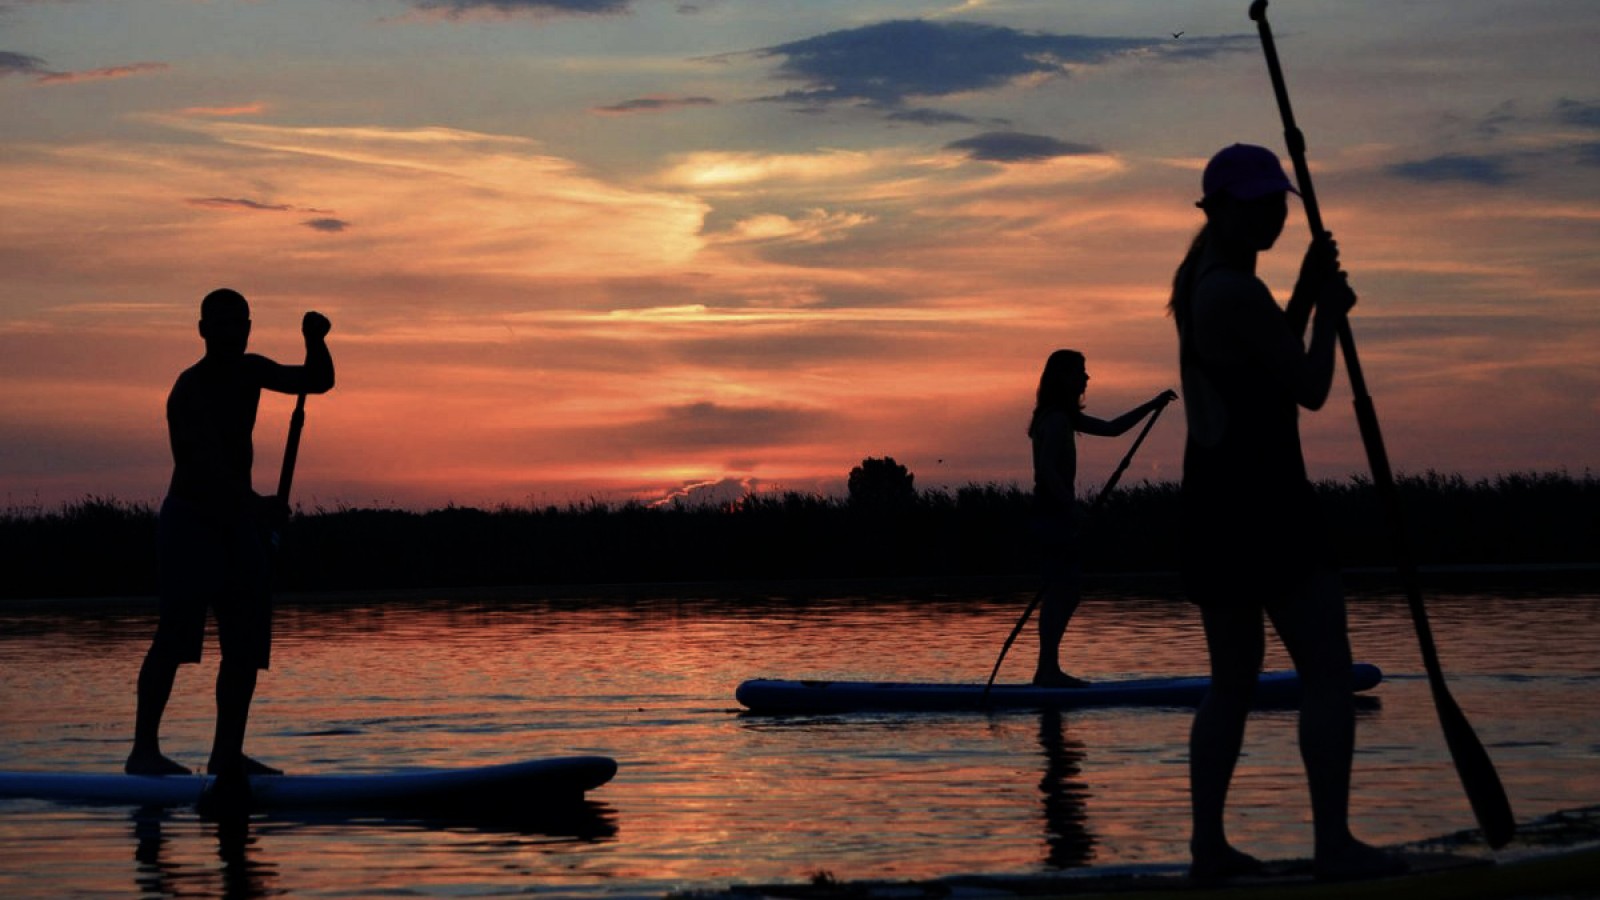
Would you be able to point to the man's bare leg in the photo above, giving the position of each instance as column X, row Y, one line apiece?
column 156, row 676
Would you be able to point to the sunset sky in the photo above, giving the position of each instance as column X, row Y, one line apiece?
column 615, row 249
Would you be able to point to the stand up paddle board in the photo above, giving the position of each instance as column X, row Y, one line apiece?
column 764, row 695
column 1555, row 856
column 481, row 789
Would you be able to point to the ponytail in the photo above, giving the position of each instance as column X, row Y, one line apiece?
column 1183, row 281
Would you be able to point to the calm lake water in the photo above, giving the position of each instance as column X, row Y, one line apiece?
column 706, row 796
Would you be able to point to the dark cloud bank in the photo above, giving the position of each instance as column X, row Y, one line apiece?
column 1016, row 146
column 889, row 63
column 1456, row 167
column 20, row 64
column 1500, row 168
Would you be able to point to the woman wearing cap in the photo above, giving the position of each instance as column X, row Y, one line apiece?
column 1253, row 540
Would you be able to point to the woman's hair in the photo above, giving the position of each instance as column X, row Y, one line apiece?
column 1056, row 392
column 1183, row 281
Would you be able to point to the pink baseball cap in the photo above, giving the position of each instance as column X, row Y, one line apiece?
column 1245, row 172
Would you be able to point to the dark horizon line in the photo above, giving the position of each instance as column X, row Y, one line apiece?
column 1087, row 490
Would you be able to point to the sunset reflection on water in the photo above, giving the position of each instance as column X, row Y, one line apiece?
column 706, row 795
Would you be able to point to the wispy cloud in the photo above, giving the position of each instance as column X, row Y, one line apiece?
column 928, row 116
column 1512, row 142
column 245, row 203
column 333, row 226
column 453, row 201
column 222, row 112
column 711, row 170
column 1581, row 113
column 1016, row 146
column 653, row 104
column 457, row 8
column 1487, row 170
column 104, row 74
column 813, row 226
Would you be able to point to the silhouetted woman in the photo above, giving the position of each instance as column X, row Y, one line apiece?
column 1254, row 542
column 1058, row 418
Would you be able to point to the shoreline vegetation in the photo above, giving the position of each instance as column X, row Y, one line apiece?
column 883, row 532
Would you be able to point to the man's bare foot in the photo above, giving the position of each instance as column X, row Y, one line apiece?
column 1213, row 866
column 1357, row 860
column 251, row 767
column 1057, row 679
column 140, row 763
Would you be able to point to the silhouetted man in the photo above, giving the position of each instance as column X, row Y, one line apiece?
column 214, row 532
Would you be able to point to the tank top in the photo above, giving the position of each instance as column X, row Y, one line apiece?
column 1250, row 524
column 1258, row 457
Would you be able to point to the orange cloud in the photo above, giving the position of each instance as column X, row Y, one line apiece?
column 110, row 72
column 246, row 109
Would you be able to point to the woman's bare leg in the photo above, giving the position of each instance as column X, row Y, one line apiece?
column 1235, row 639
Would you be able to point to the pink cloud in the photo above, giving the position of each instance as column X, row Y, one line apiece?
column 222, row 112
column 104, row 74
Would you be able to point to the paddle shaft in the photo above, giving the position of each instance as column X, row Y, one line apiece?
column 1478, row 777
column 291, row 450
column 1105, row 492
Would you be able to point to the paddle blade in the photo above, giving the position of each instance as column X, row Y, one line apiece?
column 1490, row 805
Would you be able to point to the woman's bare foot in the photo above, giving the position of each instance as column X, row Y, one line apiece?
column 1354, row 859
column 1057, row 679
column 251, row 767
column 1212, row 866
column 152, row 763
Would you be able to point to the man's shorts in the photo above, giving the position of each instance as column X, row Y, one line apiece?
column 222, row 565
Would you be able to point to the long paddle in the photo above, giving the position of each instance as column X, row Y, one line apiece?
column 1478, row 776
column 1105, row 492
column 297, row 421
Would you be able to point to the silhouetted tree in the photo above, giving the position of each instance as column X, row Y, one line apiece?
column 881, row 484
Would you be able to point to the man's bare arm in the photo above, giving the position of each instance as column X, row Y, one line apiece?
column 316, row 375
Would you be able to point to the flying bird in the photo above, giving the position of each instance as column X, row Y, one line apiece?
column 1176, row 35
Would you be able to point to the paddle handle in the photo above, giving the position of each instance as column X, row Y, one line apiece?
column 1478, row 776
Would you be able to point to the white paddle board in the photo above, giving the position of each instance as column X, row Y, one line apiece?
column 479, row 789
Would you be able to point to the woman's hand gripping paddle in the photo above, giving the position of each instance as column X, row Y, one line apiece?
column 1478, row 776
